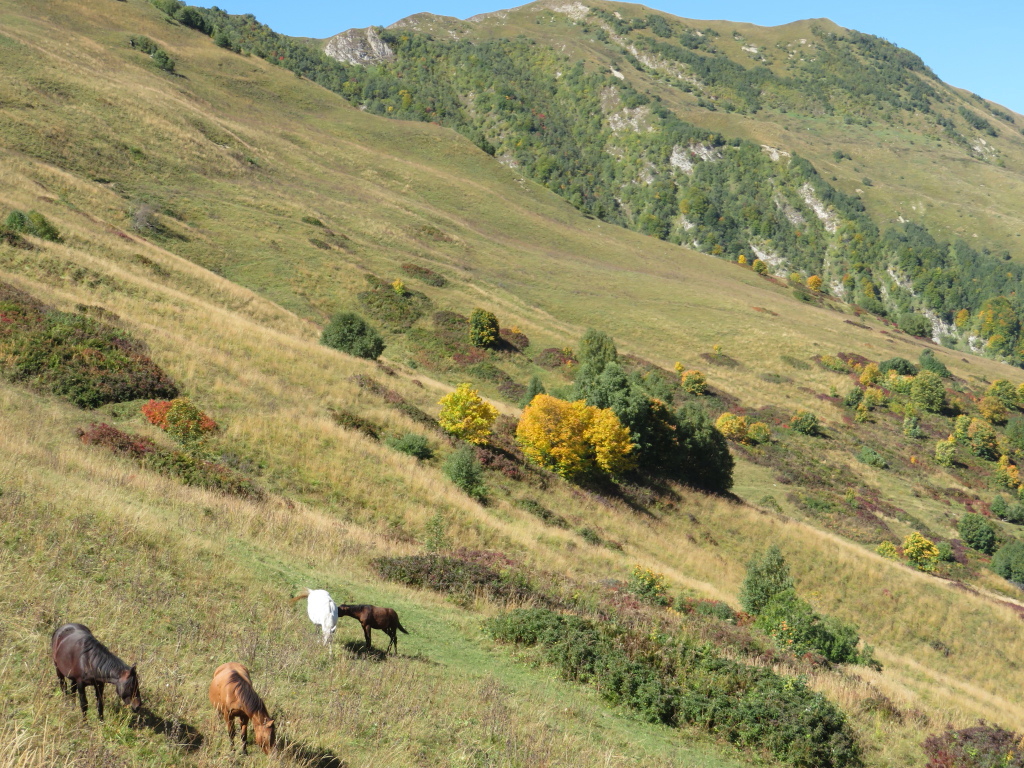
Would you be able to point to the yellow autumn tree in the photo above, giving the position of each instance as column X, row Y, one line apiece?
column 814, row 283
column 574, row 439
column 465, row 415
column 962, row 318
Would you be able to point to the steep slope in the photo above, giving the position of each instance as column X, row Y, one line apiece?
column 157, row 183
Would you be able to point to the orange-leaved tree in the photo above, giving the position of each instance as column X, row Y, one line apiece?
column 465, row 415
column 575, row 440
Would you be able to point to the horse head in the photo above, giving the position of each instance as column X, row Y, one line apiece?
column 128, row 689
column 263, row 733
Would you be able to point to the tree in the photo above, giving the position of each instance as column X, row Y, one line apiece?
column 1009, row 562
column 465, row 415
column 920, row 552
column 992, row 410
column 814, row 283
column 693, row 382
column 927, row 391
column 596, row 351
column 767, row 576
column 930, row 362
column 483, row 328
column 915, row 324
column 574, row 439
column 977, row 532
column 981, row 439
column 463, row 469
column 1004, row 391
column 349, row 333
column 804, row 422
column 871, row 374
column 760, row 267
column 945, row 452
column 534, row 388
column 901, row 365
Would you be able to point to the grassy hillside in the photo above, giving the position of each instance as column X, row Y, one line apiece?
column 179, row 199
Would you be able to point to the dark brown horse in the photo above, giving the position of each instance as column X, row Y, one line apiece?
column 84, row 660
column 375, row 617
column 232, row 695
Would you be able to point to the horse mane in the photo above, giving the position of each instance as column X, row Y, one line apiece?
column 250, row 699
column 104, row 662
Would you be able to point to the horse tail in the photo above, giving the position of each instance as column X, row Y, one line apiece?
column 404, row 630
column 301, row 596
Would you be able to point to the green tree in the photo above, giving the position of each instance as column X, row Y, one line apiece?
column 1004, row 392
column 163, row 61
column 1008, row 562
column 534, row 388
column 927, row 391
column 901, row 365
column 977, row 532
column 483, row 328
column 349, row 333
column 463, row 469
column 930, row 362
column 945, row 453
column 767, row 576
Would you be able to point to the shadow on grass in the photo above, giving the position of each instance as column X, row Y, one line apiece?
column 358, row 648
column 310, row 757
column 178, row 733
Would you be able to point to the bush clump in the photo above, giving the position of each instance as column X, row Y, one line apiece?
column 679, row 681
column 871, row 457
column 1008, row 562
column 32, row 223
column 977, row 532
column 463, row 469
column 805, row 423
column 116, row 441
column 350, row 333
column 981, row 746
column 350, row 420
column 428, row 276
column 415, row 445
column 180, row 419
column 74, row 356
column 461, row 577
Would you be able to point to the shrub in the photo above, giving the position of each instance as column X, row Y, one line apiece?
column 1007, row 474
column 116, row 441
column 542, row 512
column 760, row 267
column 1008, row 562
column 981, row 746
column 483, row 329
column 946, row 554
column 733, row 426
column 415, row 445
column 930, row 362
column 981, row 439
column 977, row 532
column 871, row 457
column 853, row 397
column 794, row 623
column 833, row 363
column 814, row 282
column 805, row 422
column 350, row 333
column 900, row 365
column 888, row 549
column 75, row 357
column 428, row 276
column 767, row 576
column 694, row 382
column 349, row 420
column 534, row 388
column 915, row 324
column 465, row 415
column 575, row 440
column 992, row 410
column 759, row 432
column 465, row 471
column 194, row 470
column 552, row 358
column 920, row 552
column 397, row 312
column 870, row 374
column 927, row 391
column 912, row 426
column 945, row 453
column 649, row 586
column 155, row 412
column 459, row 576
column 1004, row 391
column 32, row 223
column 163, row 61
column 186, row 423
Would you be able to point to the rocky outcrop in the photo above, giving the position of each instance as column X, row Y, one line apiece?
column 359, row 46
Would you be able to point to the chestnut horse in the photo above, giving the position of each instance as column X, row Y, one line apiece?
column 232, row 695
column 375, row 617
column 84, row 660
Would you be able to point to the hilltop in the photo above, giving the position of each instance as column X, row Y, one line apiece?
column 209, row 211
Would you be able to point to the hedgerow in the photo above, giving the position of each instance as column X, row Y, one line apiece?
column 675, row 681
column 461, row 575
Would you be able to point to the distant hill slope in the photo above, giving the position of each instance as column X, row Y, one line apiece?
column 219, row 211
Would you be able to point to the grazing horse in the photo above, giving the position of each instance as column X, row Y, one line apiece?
column 321, row 610
column 84, row 660
column 375, row 617
column 232, row 695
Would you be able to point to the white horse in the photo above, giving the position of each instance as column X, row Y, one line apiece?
column 321, row 610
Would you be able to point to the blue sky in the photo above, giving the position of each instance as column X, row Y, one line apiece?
column 972, row 45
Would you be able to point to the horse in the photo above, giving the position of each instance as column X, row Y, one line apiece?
column 81, row 658
column 375, row 617
column 321, row 611
column 232, row 695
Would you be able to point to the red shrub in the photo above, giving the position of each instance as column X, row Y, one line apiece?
column 155, row 412
column 117, row 441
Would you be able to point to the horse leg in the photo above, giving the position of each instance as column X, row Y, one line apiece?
column 62, row 682
column 99, row 699
column 245, row 730
column 394, row 640
column 231, row 730
column 367, row 631
column 81, row 698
